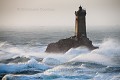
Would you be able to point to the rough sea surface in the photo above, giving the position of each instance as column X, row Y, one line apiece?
column 22, row 56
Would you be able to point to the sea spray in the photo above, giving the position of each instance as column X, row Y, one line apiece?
column 78, row 63
column 107, row 53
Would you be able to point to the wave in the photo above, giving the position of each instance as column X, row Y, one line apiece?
column 31, row 65
column 77, row 63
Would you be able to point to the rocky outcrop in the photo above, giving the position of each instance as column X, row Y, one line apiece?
column 64, row 45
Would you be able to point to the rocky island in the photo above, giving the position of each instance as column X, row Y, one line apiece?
column 79, row 39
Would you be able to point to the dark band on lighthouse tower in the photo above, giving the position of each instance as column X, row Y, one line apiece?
column 80, row 23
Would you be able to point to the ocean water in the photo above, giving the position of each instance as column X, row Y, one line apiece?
column 22, row 56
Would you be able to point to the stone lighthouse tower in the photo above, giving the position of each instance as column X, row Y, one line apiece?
column 80, row 23
column 80, row 38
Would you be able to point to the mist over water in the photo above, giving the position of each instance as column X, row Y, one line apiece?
column 22, row 57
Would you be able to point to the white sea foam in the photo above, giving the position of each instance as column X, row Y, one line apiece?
column 51, row 61
column 108, row 54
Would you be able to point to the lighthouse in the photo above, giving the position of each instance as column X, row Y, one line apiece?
column 79, row 39
column 80, row 23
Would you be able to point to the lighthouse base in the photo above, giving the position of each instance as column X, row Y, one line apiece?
column 64, row 45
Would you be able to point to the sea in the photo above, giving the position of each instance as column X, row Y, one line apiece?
column 23, row 57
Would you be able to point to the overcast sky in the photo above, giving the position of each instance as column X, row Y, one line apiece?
column 27, row 13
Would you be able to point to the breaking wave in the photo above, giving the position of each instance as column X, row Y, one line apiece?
column 31, row 63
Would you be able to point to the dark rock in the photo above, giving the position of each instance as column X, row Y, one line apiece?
column 64, row 45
